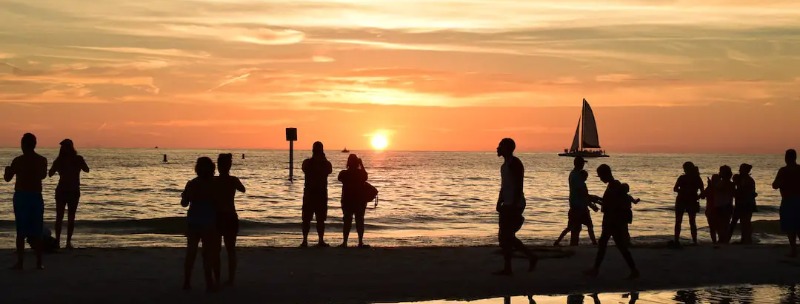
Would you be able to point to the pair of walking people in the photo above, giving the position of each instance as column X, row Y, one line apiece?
column 315, row 196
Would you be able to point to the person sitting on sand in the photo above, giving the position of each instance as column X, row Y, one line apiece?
column 689, row 187
column 615, row 223
column 788, row 181
column 745, row 198
column 723, row 207
column 227, row 218
column 353, row 179
column 580, row 202
column 199, row 196
column 68, row 165
column 30, row 169
column 710, row 212
column 510, row 206
column 315, row 193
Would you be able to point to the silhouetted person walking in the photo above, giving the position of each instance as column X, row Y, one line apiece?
column 199, row 196
column 689, row 187
column 711, row 202
column 353, row 181
column 315, row 193
column 29, row 169
column 788, row 181
column 723, row 199
column 510, row 206
column 616, row 216
column 745, row 198
column 579, row 202
column 227, row 218
column 68, row 165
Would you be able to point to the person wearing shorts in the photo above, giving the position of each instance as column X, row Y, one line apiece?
column 315, row 193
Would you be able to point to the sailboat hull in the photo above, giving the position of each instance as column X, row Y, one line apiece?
column 584, row 154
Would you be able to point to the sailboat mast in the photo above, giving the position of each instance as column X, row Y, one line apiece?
column 583, row 126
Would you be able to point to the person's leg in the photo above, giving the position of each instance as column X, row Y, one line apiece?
column 590, row 229
column 601, row 253
column 192, row 241
column 622, row 240
column 792, row 244
column 210, row 253
column 20, row 251
column 230, row 248
column 693, row 226
column 360, row 226
column 71, row 210
column 504, row 237
column 307, row 214
column 575, row 233
column 723, row 223
column 678, row 222
column 60, row 206
column 322, row 216
column 532, row 258
column 561, row 237
column 347, row 223
column 734, row 221
column 711, row 225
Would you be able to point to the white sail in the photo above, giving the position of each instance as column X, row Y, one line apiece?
column 590, row 137
column 576, row 141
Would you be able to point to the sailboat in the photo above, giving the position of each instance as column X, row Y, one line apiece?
column 586, row 143
column 345, row 150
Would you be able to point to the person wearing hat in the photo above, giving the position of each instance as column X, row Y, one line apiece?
column 29, row 169
column 579, row 203
column 745, row 197
column 68, row 165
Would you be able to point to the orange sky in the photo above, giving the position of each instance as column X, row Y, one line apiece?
column 662, row 76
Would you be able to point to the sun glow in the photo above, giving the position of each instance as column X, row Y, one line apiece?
column 380, row 142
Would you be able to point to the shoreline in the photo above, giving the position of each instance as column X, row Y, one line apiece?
column 335, row 275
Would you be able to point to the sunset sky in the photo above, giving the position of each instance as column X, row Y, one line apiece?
column 662, row 75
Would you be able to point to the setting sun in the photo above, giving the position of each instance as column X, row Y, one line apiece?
column 380, row 141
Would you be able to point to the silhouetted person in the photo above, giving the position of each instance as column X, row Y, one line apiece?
column 510, row 206
column 629, row 202
column 353, row 179
column 689, row 187
column 723, row 199
column 711, row 212
column 788, row 181
column 616, row 212
column 579, row 203
column 30, row 169
column 199, row 196
column 227, row 218
column 315, row 193
column 68, row 165
column 745, row 198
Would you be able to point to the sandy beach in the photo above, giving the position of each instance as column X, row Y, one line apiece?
column 333, row 275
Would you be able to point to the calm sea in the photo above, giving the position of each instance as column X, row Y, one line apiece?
column 131, row 198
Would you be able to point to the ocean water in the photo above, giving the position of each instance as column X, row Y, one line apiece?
column 131, row 198
column 764, row 294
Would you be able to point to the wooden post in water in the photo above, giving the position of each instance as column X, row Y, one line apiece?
column 291, row 137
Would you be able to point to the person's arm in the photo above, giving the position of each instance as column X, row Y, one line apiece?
column 778, row 180
column 43, row 169
column 239, row 185
column 9, row 172
column 186, row 194
column 702, row 187
column 328, row 167
column 54, row 168
column 305, row 166
column 518, row 171
column 84, row 166
column 677, row 185
column 341, row 176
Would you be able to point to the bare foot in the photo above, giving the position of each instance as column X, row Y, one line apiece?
column 342, row 245
column 557, row 243
column 323, row 245
column 363, row 246
column 304, row 244
column 69, row 247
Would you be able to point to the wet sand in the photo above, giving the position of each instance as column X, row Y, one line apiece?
column 333, row 275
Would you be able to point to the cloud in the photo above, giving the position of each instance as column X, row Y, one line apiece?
column 614, row 78
column 239, row 78
column 149, row 51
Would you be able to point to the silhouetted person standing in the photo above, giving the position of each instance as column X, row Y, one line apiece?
column 723, row 199
column 227, row 218
column 689, row 187
column 315, row 193
column 711, row 213
column 29, row 169
column 788, row 181
column 199, row 196
column 353, row 179
column 579, row 201
column 68, row 165
column 745, row 198
column 616, row 213
column 511, row 205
